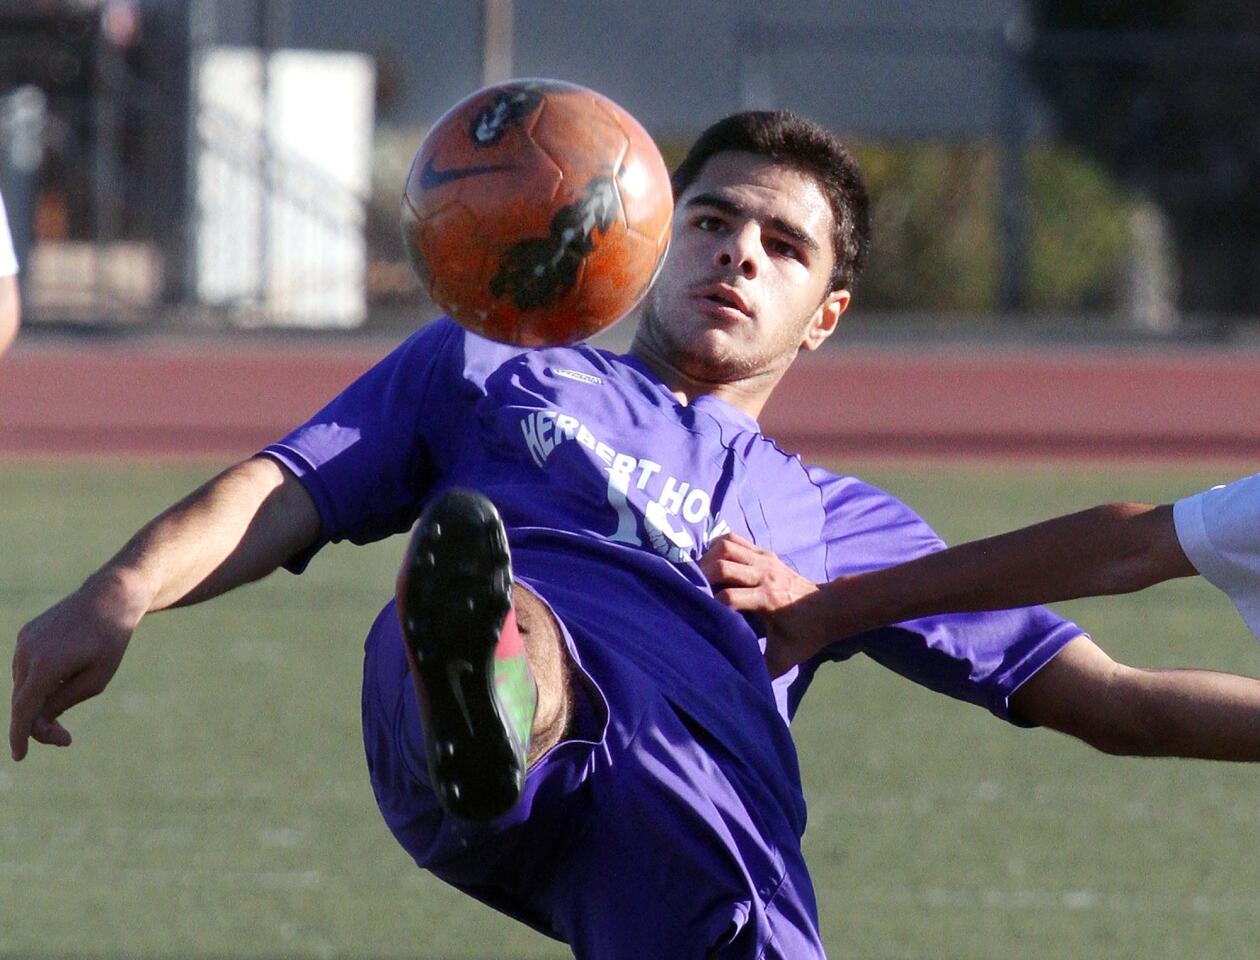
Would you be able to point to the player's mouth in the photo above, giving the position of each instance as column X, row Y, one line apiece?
column 725, row 301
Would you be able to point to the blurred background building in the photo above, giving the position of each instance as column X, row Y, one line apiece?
column 1040, row 167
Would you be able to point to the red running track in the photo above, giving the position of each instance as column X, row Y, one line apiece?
column 225, row 398
column 1080, row 404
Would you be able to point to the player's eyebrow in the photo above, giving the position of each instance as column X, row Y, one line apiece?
column 778, row 224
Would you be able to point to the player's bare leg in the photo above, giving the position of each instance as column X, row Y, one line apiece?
column 549, row 663
column 490, row 678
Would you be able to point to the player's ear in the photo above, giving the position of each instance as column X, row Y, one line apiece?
column 826, row 318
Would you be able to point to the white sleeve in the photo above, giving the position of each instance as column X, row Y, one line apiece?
column 1219, row 530
column 8, row 260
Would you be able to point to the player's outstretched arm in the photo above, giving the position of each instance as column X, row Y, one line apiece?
column 10, row 311
column 238, row 527
column 1115, row 548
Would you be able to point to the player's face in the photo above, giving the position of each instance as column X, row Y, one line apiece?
column 745, row 285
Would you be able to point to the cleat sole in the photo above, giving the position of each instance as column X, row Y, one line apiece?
column 455, row 591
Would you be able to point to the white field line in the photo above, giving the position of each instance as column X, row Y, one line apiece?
column 1078, row 900
column 115, row 876
column 334, row 792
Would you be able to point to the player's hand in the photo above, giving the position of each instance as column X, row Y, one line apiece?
column 64, row 656
column 752, row 579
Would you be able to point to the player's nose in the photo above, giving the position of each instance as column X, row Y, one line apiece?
column 739, row 249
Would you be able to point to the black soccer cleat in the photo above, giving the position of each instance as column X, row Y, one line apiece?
column 472, row 680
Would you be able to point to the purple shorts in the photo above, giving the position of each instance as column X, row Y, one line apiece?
column 638, row 836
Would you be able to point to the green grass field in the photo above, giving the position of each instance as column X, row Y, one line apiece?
column 215, row 803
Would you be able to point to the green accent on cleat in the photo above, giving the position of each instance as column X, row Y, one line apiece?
column 518, row 693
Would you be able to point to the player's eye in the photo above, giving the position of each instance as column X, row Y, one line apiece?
column 708, row 222
column 783, row 248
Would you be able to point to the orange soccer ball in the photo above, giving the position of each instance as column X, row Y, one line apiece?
column 537, row 212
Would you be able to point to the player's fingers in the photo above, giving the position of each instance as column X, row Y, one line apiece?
column 17, row 737
column 742, row 598
column 50, row 731
column 719, row 558
column 730, row 544
column 741, row 548
column 40, row 680
column 734, row 573
column 28, row 697
column 738, row 549
column 80, row 687
column 35, row 716
column 20, row 710
column 736, row 540
column 714, row 552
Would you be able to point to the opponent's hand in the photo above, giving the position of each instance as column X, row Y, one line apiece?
column 752, row 579
column 64, row 656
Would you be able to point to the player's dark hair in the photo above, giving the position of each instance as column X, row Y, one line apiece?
column 785, row 138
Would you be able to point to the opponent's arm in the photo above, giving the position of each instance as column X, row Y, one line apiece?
column 1116, row 548
column 238, row 527
column 1134, row 712
column 1082, row 692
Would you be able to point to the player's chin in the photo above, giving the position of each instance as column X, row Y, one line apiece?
column 711, row 356
column 701, row 349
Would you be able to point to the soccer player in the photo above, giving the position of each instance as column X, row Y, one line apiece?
column 553, row 615
column 1109, row 549
column 10, row 302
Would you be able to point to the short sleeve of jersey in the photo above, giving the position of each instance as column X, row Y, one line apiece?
column 368, row 456
column 8, row 259
column 981, row 658
column 1219, row 530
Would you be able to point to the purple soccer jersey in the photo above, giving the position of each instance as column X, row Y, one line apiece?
column 678, row 795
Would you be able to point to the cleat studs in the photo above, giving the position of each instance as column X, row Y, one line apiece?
column 459, row 596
